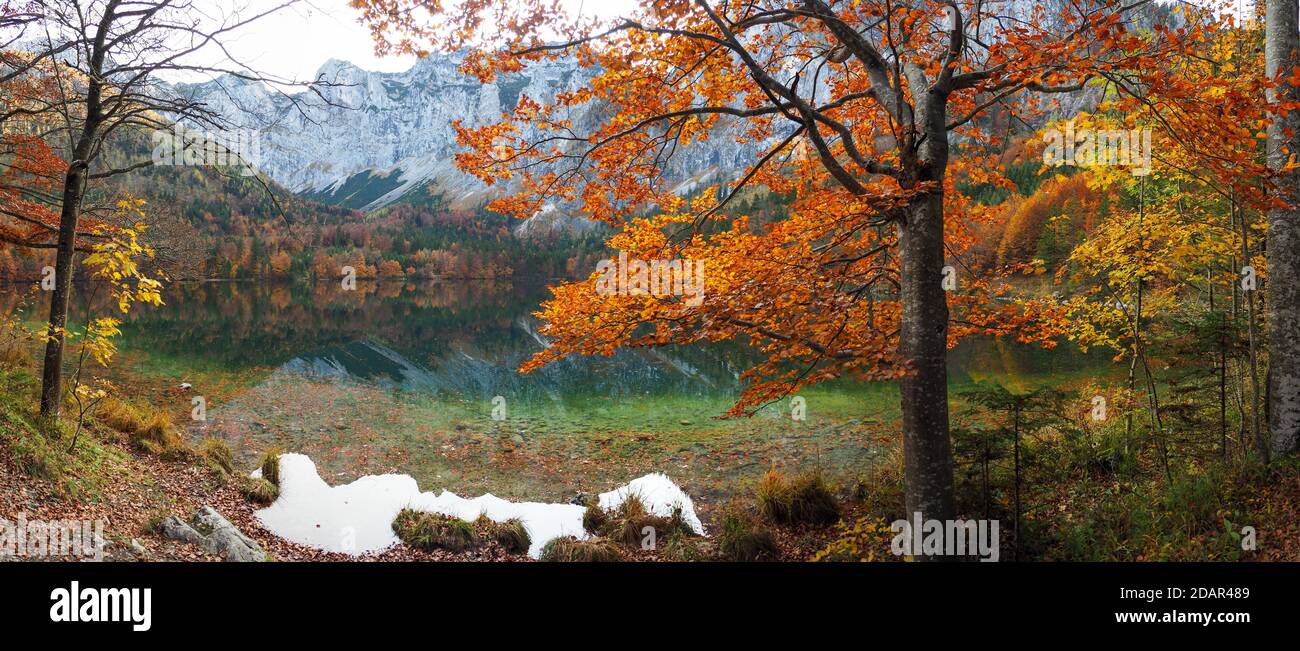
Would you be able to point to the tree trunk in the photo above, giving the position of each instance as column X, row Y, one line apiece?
column 74, row 189
column 74, row 185
column 1016, row 433
column 1261, row 443
column 923, row 344
column 1283, row 246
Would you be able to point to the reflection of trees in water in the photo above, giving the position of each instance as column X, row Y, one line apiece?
column 1017, row 366
column 462, row 338
column 259, row 324
column 467, row 339
column 19, row 296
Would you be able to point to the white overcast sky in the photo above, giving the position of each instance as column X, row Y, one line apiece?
column 293, row 42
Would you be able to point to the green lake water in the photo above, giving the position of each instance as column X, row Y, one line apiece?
column 404, row 377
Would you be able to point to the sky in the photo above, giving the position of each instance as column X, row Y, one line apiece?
column 293, row 42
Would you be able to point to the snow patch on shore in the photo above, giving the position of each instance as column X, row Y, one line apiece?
column 357, row 518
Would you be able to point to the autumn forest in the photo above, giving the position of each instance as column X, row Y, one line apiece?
column 687, row 281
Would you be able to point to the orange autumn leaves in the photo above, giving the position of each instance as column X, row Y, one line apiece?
column 31, row 173
column 816, row 292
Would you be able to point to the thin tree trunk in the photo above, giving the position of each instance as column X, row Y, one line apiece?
column 1223, row 366
column 1157, row 428
column 74, row 186
column 1239, row 373
column 1283, row 242
column 1257, row 434
column 74, row 189
column 1016, row 431
column 985, row 467
column 1132, row 381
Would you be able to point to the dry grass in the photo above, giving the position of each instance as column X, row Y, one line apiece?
column 145, row 428
column 594, row 517
column 805, row 499
column 216, row 454
column 270, row 464
column 120, row 415
column 741, row 537
column 630, row 523
column 258, row 490
column 430, row 531
column 568, row 549
column 15, row 358
column 159, row 436
column 512, row 534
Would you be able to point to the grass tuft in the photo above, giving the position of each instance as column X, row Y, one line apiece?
column 120, row 415
column 629, row 522
column 742, row 538
column 216, row 454
column 158, row 436
column 512, row 534
column 594, row 518
column 805, row 499
column 270, row 464
column 259, row 490
column 568, row 549
column 430, row 531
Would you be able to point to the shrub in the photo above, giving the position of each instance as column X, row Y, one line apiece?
column 568, row 549
column 1185, row 520
column 859, row 542
column 430, row 531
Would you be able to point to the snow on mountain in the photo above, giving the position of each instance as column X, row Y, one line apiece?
column 367, row 139
column 371, row 138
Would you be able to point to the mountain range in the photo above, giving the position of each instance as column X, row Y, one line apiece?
column 366, row 140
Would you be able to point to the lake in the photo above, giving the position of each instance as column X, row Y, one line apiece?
column 420, row 378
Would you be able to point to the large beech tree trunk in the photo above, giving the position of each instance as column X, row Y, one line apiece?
column 923, row 343
column 1283, row 246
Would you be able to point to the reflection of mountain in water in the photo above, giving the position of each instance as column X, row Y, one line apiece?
column 462, row 340
column 467, row 370
column 360, row 360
